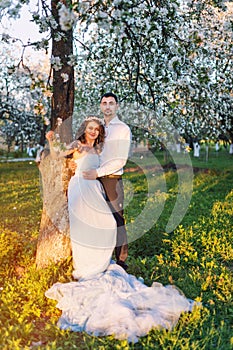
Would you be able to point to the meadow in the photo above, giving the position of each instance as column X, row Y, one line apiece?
column 197, row 257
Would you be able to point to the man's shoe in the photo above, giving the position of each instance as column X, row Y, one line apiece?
column 122, row 264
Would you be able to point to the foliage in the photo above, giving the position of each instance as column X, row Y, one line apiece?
column 196, row 257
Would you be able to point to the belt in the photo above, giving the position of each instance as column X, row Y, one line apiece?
column 111, row 176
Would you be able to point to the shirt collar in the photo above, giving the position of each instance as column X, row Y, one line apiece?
column 115, row 120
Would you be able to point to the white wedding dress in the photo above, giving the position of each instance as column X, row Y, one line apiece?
column 106, row 300
column 92, row 225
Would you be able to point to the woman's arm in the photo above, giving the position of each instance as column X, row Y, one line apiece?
column 58, row 153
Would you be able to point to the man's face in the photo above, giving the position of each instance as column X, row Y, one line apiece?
column 108, row 107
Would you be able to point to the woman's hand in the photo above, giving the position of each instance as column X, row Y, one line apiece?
column 50, row 135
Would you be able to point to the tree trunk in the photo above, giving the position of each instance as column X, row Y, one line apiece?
column 53, row 241
column 63, row 79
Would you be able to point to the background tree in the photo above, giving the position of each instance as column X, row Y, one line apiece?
column 172, row 57
column 23, row 105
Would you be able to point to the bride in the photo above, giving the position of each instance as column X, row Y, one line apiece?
column 92, row 225
column 105, row 299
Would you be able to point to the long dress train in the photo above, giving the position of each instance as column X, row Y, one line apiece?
column 106, row 300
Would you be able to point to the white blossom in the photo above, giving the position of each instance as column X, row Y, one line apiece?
column 72, row 60
column 44, row 25
column 65, row 77
column 116, row 14
column 58, row 36
column 103, row 15
column 5, row 4
column 43, row 44
column 164, row 11
column 67, row 18
column 56, row 63
column 117, row 2
column 59, row 122
column 52, row 22
column 46, row 121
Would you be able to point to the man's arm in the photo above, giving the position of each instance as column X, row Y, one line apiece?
column 115, row 155
column 90, row 174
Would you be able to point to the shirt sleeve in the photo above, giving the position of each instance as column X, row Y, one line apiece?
column 115, row 153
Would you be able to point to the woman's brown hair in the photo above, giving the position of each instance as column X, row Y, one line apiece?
column 80, row 135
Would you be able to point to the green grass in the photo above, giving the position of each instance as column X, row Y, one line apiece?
column 220, row 160
column 196, row 257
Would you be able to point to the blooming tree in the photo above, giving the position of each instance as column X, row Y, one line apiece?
column 53, row 242
column 169, row 56
column 23, row 106
column 173, row 57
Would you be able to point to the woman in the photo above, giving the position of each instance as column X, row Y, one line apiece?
column 92, row 243
column 105, row 300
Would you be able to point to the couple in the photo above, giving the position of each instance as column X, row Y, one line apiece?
column 106, row 300
column 96, row 206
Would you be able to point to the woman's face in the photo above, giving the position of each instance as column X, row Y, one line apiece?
column 92, row 132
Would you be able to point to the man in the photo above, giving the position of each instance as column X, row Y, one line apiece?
column 112, row 160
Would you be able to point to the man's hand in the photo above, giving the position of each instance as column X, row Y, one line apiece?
column 90, row 174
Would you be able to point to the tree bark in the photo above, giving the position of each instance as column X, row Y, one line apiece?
column 53, row 241
column 63, row 91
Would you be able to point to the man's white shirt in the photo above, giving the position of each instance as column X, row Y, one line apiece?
column 116, row 148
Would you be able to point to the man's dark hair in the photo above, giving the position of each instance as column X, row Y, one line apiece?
column 109, row 94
